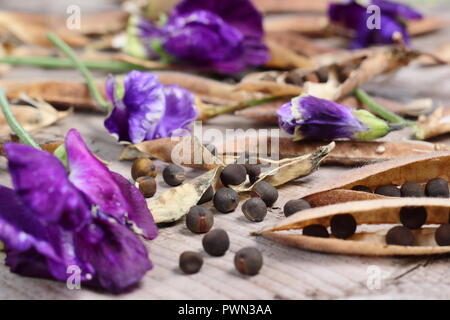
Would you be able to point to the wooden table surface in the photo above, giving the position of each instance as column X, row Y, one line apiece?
column 287, row 273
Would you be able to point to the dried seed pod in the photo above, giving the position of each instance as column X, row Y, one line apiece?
column 199, row 219
column 362, row 188
column 400, row 236
column 437, row 188
column 343, row 225
column 267, row 192
column 248, row 261
column 174, row 175
column 253, row 171
column 316, row 230
column 412, row 189
column 233, row 174
column 254, row 209
column 207, row 195
column 226, row 200
column 388, row 191
column 216, row 242
column 296, row 205
column 413, row 217
column 143, row 167
column 147, row 186
column 442, row 235
column 190, row 262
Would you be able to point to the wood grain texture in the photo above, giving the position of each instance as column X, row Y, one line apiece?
column 287, row 273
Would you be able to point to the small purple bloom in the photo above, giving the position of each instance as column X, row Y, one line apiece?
column 54, row 220
column 311, row 118
column 210, row 35
column 392, row 22
column 145, row 109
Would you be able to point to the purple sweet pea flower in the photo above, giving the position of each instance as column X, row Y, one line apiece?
column 354, row 16
column 145, row 109
column 311, row 118
column 210, row 35
column 54, row 220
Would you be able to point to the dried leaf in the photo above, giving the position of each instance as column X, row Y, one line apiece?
column 298, row 43
column 315, row 25
column 442, row 53
column 426, row 25
column 38, row 116
column 433, row 125
column 417, row 168
column 283, row 57
column 290, row 169
column 186, row 151
column 369, row 243
column 174, row 203
column 290, row 6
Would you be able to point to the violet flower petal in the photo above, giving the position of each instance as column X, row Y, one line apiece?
column 139, row 214
column 120, row 259
column 41, row 182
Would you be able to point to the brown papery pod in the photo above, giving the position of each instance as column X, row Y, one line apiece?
column 426, row 25
column 290, row 6
column 298, row 43
column 370, row 242
column 174, row 203
column 283, row 57
column 417, row 168
column 433, row 125
column 314, row 25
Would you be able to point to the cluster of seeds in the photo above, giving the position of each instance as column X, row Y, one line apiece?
column 216, row 243
column 144, row 172
column 436, row 188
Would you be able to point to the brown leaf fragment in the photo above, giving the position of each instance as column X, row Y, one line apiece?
column 290, row 5
column 433, row 125
column 263, row 113
column 298, row 43
column 174, row 203
column 186, row 151
column 369, row 243
column 441, row 54
column 316, row 25
column 416, row 168
column 426, row 25
column 102, row 23
column 285, row 58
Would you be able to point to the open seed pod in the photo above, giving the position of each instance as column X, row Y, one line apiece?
column 417, row 168
column 366, row 214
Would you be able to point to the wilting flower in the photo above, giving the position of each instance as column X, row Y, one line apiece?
column 145, row 109
column 311, row 118
column 392, row 21
column 58, row 221
column 211, row 35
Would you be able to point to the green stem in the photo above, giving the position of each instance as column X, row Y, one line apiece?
column 13, row 123
column 60, row 44
column 216, row 111
column 60, row 63
column 379, row 110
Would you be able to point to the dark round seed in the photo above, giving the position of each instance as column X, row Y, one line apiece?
column 226, row 200
column 412, row 189
column 343, row 226
column 316, row 230
column 207, row 195
column 267, row 192
column 437, row 188
column 216, row 242
column 254, row 209
column 190, row 262
column 442, row 235
column 362, row 188
column 253, row 171
column 174, row 175
column 248, row 261
column 143, row 167
column 388, row 191
column 293, row 206
column 147, row 186
column 400, row 236
column 199, row 219
column 211, row 148
column 233, row 174
column 413, row 217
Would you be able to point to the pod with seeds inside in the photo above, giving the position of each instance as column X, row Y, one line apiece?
column 437, row 188
column 400, row 236
column 412, row 189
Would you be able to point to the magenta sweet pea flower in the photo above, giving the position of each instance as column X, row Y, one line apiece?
column 209, row 35
column 84, row 217
column 354, row 16
column 145, row 109
column 311, row 118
